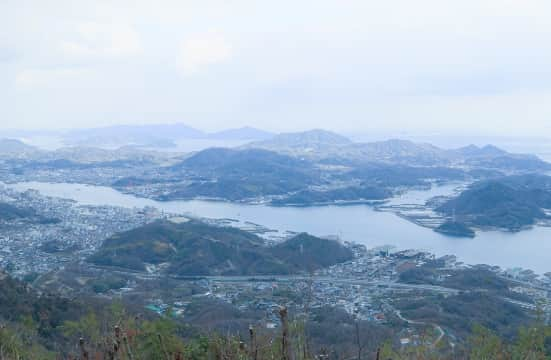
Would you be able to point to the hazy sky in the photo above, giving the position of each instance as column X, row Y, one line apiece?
column 438, row 66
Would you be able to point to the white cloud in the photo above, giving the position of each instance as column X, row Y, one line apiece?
column 102, row 40
column 203, row 50
column 407, row 62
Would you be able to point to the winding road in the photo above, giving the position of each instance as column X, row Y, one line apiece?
column 436, row 326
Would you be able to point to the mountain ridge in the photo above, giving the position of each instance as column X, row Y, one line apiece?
column 321, row 145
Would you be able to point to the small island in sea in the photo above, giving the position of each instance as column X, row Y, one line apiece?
column 456, row 229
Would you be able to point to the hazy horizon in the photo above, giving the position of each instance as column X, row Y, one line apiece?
column 535, row 144
column 359, row 135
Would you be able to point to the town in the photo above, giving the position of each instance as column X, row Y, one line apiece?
column 374, row 288
column 381, row 285
column 64, row 233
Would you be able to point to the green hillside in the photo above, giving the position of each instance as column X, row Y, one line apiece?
column 195, row 248
column 510, row 202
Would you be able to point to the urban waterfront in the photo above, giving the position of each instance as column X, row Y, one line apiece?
column 357, row 223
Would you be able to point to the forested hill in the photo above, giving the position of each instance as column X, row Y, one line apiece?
column 240, row 174
column 510, row 202
column 195, row 248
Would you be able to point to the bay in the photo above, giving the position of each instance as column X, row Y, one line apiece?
column 363, row 224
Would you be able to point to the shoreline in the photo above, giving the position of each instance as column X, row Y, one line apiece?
column 363, row 233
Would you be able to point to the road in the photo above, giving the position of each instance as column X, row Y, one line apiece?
column 291, row 278
column 436, row 326
column 335, row 280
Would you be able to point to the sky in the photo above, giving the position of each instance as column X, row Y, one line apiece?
column 424, row 66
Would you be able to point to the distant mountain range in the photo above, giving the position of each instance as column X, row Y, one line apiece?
column 320, row 145
column 161, row 135
column 258, row 174
column 320, row 167
column 12, row 149
column 308, row 168
column 315, row 145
